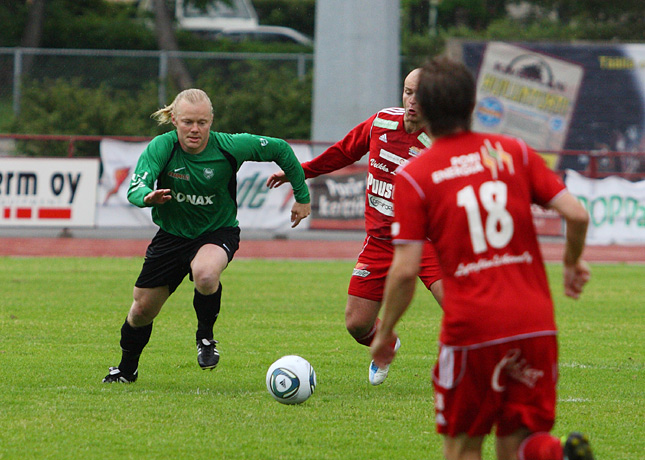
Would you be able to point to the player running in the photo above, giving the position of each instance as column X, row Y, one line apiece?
column 390, row 138
column 188, row 177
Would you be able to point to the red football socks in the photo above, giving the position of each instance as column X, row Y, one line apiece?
column 540, row 446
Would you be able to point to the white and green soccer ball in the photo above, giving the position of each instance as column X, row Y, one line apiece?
column 291, row 380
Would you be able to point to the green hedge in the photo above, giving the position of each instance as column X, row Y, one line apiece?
column 252, row 96
column 297, row 14
column 103, row 97
column 66, row 107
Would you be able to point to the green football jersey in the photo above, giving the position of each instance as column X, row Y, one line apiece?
column 203, row 185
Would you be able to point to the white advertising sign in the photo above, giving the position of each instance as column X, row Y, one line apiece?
column 616, row 207
column 48, row 192
column 526, row 94
column 258, row 206
column 112, row 207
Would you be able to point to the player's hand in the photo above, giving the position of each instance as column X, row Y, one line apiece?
column 277, row 179
column 382, row 348
column 156, row 197
column 298, row 212
column 575, row 277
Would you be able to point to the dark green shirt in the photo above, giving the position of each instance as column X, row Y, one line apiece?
column 203, row 185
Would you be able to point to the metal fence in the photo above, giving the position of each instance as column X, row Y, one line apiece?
column 135, row 71
column 125, row 69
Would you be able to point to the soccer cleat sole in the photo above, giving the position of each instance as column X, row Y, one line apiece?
column 577, row 447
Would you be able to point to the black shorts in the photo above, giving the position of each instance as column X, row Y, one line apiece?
column 168, row 257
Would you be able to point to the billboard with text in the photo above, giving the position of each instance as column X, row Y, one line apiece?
column 258, row 206
column 599, row 89
column 38, row 192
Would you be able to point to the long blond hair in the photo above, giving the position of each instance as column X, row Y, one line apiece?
column 192, row 95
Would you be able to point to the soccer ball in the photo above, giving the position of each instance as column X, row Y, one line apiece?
column 291, row 380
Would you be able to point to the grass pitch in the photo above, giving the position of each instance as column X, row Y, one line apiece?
column 60, row 320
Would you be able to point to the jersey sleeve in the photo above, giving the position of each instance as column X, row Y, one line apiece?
column 410, row 216
column 545, row 183
column 354, row 146
column 149, row 166
column 251, row 147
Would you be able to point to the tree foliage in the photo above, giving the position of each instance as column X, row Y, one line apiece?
column 253, row 97
column 13, row 18
column 67, row 107
column 256, row 97
column 565, row 19
column 562, row 20
column 297, row 14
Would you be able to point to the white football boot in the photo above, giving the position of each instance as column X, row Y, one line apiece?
column 379, row 374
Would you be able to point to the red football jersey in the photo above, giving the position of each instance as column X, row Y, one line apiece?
column 471, row 194
column 383, row 136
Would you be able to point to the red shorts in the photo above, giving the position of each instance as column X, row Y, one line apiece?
column 511, row 385
column 368, row 278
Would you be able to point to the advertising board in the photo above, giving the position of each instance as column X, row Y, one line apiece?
column 48, row 191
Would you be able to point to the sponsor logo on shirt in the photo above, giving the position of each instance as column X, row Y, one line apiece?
column 425, row 139
column 377, row 165
column 383, row 138
column 383, row 206
column 495, row 158
column 179, row 176
column 414, row 151
column 196, row 200
column 379, row 187
column 389, row 156
column 496, row 261
column 461, row 166
column 387, row 124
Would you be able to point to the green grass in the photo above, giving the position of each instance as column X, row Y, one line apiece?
column 59, row 331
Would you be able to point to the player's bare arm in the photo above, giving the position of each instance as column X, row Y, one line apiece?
column 576, row 272
column 157, row 197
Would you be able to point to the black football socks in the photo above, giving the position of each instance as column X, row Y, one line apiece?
column 207, row 308
column 133, row 341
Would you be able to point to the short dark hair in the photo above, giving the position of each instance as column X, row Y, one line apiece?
column 446, row 95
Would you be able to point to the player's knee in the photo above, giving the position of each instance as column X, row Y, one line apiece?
column 206, row 283
column 361, row 317
column 356, row 326
column 362, row 333
column 139, row 315
column 354, row 331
